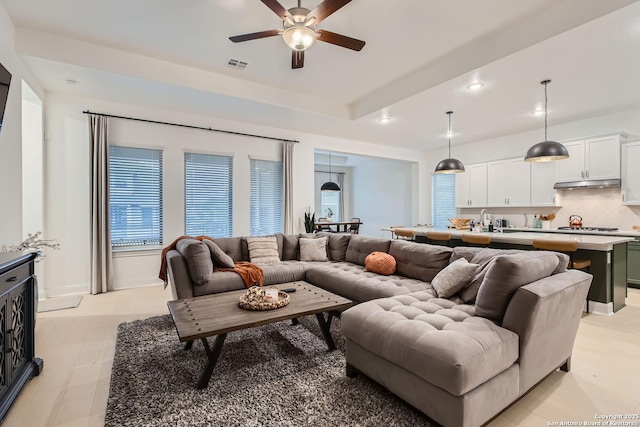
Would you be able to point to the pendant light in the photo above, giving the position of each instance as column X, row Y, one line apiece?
column 449, row 165
column 330, row 186
column 546, row 151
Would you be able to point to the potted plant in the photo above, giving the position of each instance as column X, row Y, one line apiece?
column 309, row 220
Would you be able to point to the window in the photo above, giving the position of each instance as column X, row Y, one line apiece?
column 135, row 196
column 330, row 204
column 208, row 195
column 443, row 191
column 266, row 197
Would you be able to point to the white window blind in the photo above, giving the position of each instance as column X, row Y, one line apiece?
column 208, row 195
column 443, row 191
column 135, row 196
column 266, row 197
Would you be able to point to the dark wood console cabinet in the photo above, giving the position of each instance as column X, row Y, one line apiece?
column 18, row 363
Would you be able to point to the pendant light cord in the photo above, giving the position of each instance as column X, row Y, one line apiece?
column 545, row 109
column 449, row 113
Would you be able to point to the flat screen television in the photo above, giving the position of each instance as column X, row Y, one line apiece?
column 5, row 80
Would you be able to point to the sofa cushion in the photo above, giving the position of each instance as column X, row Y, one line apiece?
column 361, row 246
column 286, row 271
column 337, row 244
column 263, row 250
column 418, row 260
column 506, row 274
column 313, row 249
column 220, row 259
column 352, row 281
column 454, row 277
column 433, row 338
column 380, row 262
column 231, row 246
column 290, row 247
column 244, row 246
column 198, row 259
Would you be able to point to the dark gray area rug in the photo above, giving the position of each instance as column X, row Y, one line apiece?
column 273, row 375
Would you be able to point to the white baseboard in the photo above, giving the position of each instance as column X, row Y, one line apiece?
column 602, row 308
column 67, row 290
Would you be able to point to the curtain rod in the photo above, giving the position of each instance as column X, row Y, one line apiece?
column 192, row 127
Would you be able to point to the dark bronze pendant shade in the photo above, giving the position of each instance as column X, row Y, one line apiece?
column 546, row 151
column 449, row 165
column 330, row 186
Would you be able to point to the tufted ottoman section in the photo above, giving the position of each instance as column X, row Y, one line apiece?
column 435, row 339
column 354, row 282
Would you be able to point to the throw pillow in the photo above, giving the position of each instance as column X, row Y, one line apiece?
column 313, row 249
column 505, row 275
column 263, row 250
column 454, row 277
column 220, row 259
column 380, row 262
column 198, row 259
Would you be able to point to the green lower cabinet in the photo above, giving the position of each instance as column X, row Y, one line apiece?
column 633, row 263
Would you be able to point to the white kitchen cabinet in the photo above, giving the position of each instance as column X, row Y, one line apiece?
column 543, row 177
column 592, row 158
column 471, row 186
column 508, row 183
column 631, row 173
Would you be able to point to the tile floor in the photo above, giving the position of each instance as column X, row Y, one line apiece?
column 78, row 345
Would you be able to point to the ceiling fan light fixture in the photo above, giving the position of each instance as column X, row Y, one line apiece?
column 299, row 37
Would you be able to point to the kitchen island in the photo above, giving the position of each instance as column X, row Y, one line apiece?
column 608, row 255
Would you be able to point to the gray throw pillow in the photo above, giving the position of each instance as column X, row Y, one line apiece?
column 263, row 250
column 218, row 256
column 313, row 249
column 198, row 259
column 337, row 244
column 505, row 275
column 454, row 277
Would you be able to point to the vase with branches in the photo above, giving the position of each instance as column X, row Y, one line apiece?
column 309, row 220
column 33, row 243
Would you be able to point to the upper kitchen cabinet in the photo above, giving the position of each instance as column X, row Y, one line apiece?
column 543, row 177
column 471, row 186
column 631, row 173
column 509, row 183
column 590, row 159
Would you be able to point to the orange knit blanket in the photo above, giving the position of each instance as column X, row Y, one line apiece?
column 250, row 273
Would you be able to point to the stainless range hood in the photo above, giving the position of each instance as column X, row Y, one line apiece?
column 595, row 183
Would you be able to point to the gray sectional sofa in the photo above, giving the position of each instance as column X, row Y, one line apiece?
column 460, row 360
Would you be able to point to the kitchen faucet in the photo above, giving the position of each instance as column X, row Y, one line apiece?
column 484, row 214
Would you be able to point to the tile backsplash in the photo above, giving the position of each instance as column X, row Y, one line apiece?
column 597, row 207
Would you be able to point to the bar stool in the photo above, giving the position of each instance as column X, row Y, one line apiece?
column 568, row 247
column 476, row 239
column 439, row 237
column 393, row 230
column 404, row 233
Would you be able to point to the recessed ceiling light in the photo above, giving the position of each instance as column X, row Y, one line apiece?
column 449, row 134
column 538, row 112
column 475, row 86
column 384, row 120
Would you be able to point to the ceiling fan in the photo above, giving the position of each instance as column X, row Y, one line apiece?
column 299, row 29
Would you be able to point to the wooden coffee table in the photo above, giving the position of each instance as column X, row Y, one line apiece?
column 218, row 314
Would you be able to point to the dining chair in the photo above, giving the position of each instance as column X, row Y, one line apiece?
column 354, row 228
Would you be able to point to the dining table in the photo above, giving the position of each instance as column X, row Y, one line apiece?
column 345, row 225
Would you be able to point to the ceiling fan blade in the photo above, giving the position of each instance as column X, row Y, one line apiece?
column 340, row 40
column 297, row 59
column 277, row 8
column 253, row 36
column 326, row 8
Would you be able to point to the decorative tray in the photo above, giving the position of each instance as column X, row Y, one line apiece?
column 256, row 299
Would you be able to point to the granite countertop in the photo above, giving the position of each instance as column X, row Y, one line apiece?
column 600, row 242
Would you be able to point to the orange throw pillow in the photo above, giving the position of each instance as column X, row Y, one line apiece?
column 380, row 262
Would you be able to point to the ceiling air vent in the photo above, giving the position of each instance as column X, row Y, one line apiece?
column 237, row 64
